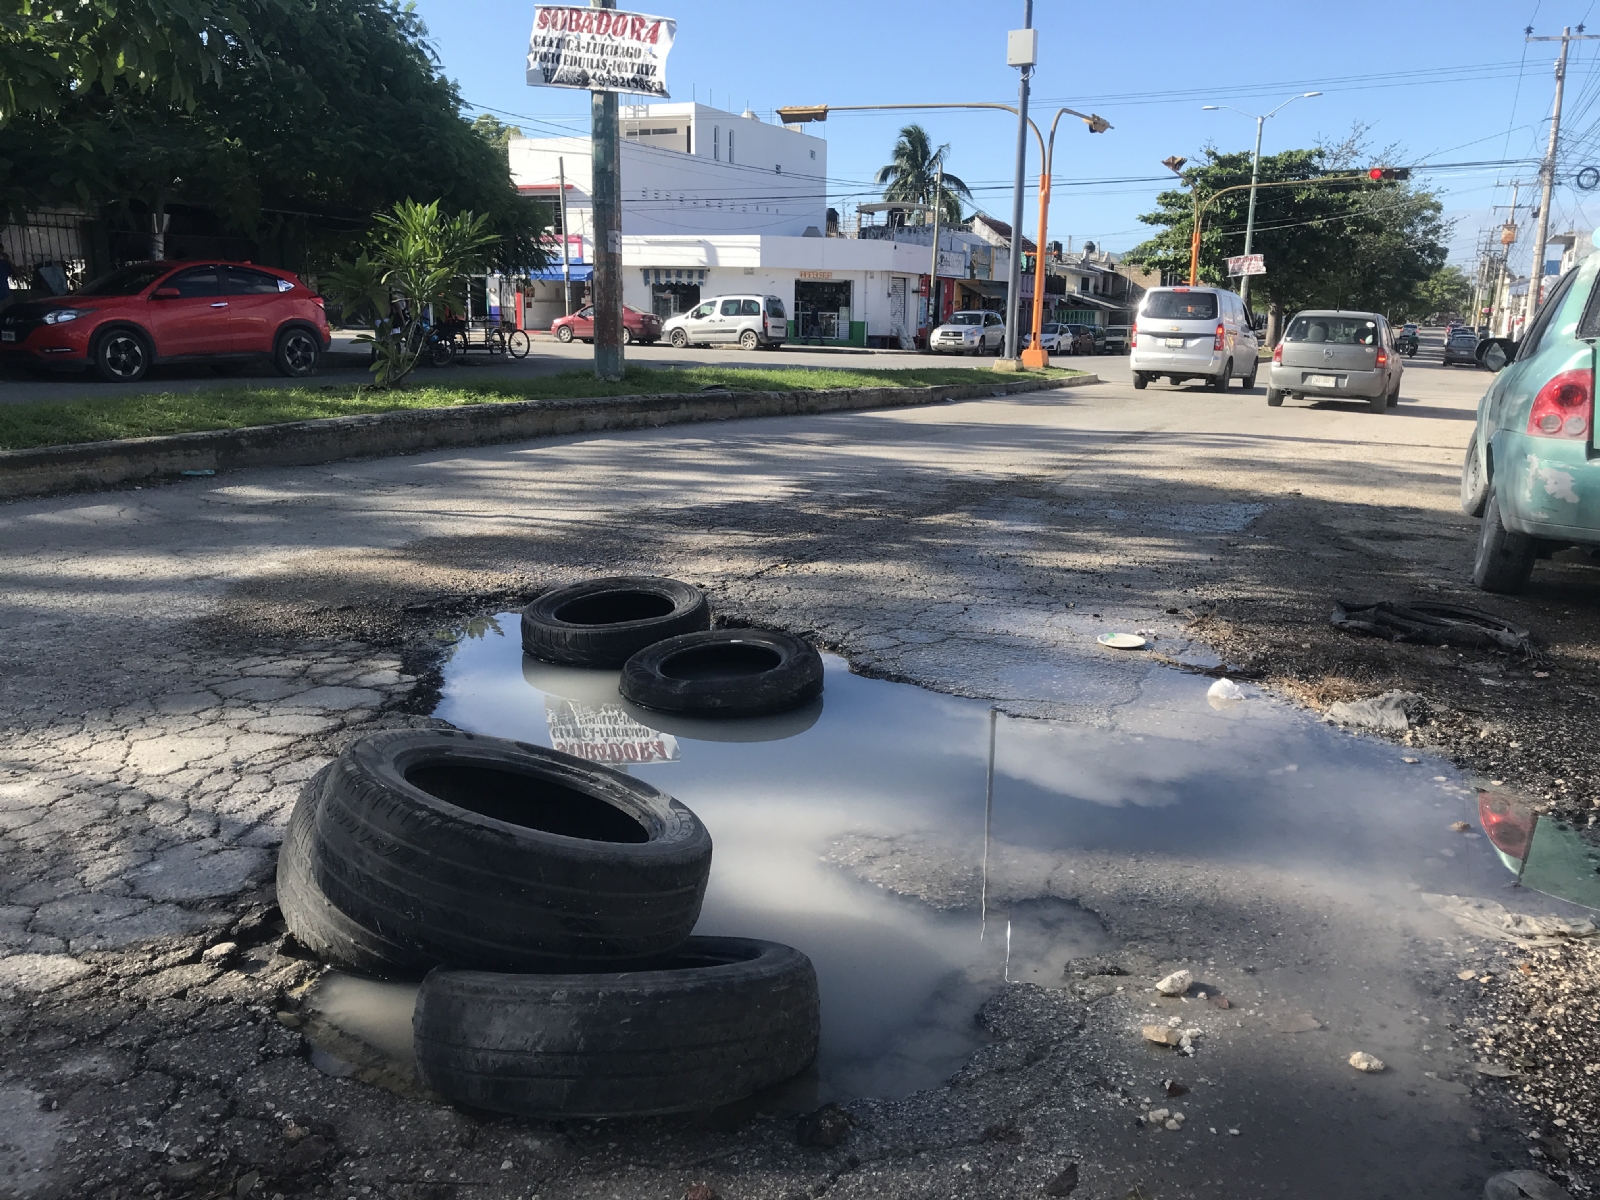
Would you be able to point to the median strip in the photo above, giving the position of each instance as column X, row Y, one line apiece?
column 405, row 422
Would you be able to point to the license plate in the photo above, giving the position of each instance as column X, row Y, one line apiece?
column 1322, row 380
column 8, row 335
column 1173, row 343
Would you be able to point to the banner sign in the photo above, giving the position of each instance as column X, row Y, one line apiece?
column 1247, row 264
column 599, row 50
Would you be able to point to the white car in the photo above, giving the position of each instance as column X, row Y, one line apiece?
column 751, row 321
column 1050, row 337
column 969, row 333
column 1193, row 333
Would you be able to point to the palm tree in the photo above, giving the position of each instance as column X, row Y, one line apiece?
column 911, row 176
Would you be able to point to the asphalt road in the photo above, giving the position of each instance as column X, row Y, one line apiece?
column 178, row 657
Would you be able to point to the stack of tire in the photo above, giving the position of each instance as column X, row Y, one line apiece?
column 547, row 903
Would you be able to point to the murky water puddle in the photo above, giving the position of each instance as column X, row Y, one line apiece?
column 1244, row 784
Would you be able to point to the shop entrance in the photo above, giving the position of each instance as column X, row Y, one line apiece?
column 670, row 299
column 822, row 310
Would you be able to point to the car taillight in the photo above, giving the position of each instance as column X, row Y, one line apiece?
column 1277, row 354
column 1383, row 357
column 1508, row 823
column 1216, row 342
column 1564, row 407
column 1133, row 338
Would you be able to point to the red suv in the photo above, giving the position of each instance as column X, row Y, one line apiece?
column 159, row 312
column 637, row 326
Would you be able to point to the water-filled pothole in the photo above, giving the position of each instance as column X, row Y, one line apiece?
column 903, row 968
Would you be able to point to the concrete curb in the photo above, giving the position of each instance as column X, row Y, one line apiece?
column 91, row 465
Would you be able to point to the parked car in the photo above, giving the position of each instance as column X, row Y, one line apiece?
column 749, row 320
column 1117, row 337
column 1051, row 337
column 1530, row 470
column 1087, row 339
column 124, row 322
column 1337, row 355
column 637, row 326
column 971, row 332
column 1461, row 347
column 1193, row 333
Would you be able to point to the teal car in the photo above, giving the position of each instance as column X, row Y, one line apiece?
column 1532, row 470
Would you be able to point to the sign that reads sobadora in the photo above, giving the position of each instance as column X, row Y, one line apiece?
column 599, row 50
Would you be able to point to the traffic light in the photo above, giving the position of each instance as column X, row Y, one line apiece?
column 1377, row 174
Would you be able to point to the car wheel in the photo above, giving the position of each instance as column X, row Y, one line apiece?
column 564, row 333
column 1220, row 383
column 1379, row 403
column 627, row 336
column 749, row 341
column 297, row 354
column 1505, row 559
column 122, row 356
column 1274, row 398
column 679, row 339
column 1474, row 481
column 1140, row 381
column 1250, row 379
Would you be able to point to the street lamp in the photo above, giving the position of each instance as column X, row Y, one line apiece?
column 1255, row 175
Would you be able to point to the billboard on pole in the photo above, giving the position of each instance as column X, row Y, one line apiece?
column 599, row 49
column 1247, row 264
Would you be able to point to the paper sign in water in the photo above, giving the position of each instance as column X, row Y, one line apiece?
column 605, row 733
column 599, row 49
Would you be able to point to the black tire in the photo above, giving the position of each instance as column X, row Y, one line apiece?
column 298, row 353
column 679, row 339
column 1250, row 379
column 1140, row 381
column 1220, row 383
column 724, row 672
column 495, row 342
column 122, row 356
column 1504, row 560
column 494, row 855
column 1378, row 403
column 749, row 340
column 1274, row 398
column 1474, row 481
column 518, row 343
column 605, row 622
column 721, row 1020
column 315, row 922
column 564, row 334
column 438, row 352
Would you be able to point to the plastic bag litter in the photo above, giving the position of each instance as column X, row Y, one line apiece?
column 1488, row 918
column 1390, row 713
column 1224, row 693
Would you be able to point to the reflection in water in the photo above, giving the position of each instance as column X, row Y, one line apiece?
column 1546, row 854
column 1252, row 783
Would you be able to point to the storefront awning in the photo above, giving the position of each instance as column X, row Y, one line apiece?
column 994, row 288
column 654, row 275
column 581, row 273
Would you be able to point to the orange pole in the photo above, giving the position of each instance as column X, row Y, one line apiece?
column 1194, row 244
column 1035, row 357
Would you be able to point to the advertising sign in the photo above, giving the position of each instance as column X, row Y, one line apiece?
column 605, row 733
column 1247, row 264
column 599, row 50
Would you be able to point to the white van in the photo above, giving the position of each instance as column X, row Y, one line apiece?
column 752, row 321
column 1193, row 333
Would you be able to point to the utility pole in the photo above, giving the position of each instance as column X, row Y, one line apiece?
column 933, row 273
column 606, row 192
column 566, row 258
column 1021, row 51
column 1508, row 238
column 1547, row 169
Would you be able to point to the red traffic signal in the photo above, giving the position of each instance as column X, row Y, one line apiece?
column 1377, row 174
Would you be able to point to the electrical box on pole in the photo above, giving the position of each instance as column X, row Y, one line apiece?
column 1022, row 47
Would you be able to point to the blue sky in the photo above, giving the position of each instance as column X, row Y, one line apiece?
column 1449, row 83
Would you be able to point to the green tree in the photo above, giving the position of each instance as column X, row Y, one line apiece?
column 498, row 135
column 1326, row 243
column 421, row 258
column 333, row 108
column 1448, row 290
column 914, row 171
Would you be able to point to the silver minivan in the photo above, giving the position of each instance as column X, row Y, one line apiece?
column 749, row 321
column 1193, row 333
column 1328, row 353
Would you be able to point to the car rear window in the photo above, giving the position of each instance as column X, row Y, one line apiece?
column 775, row 307
column 1181, row 306
column 1338, row 331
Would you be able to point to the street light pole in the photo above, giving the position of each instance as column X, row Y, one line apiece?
column 1025, row 60
column 1255, row 178
column 933, row 272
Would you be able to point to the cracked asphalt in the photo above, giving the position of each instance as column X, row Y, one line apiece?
column 176, row 660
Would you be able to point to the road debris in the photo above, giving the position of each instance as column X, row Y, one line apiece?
column 1433, row 624
column 1122, row 641
column 1224, row 693
column 1362, row 1061
column 826, row 1127
column 1460, row 826
column 1515, row 1185
column 1176, row 984
column 1392, row 712
column 1064, row 1183
column 1161, row 1035
column 1488, row 918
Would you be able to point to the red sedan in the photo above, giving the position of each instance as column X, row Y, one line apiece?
column 160, row 312
column 637, row 326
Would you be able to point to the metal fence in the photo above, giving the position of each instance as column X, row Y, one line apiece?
column 48, row 250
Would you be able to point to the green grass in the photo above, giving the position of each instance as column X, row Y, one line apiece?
column 63, row 422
